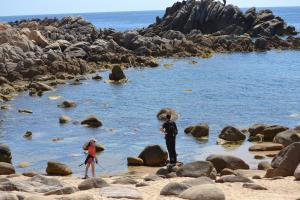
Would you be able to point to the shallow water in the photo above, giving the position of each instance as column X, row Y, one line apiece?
column 229, row 89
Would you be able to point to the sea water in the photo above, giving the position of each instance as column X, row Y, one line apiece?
column 236, row 89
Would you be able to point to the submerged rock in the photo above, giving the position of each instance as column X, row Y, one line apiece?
column 92, row 122
column 200, row 130
column 67, row 104
column 232, row 134
column 117, row 74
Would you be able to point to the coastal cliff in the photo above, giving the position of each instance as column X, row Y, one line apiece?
column 54, row 49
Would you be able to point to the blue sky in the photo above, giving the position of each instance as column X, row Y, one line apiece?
column 30, row 7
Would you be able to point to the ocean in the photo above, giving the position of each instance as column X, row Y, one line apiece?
column 123, row 21
column 236, row 89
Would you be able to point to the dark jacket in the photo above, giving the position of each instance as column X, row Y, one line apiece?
column 170, row 129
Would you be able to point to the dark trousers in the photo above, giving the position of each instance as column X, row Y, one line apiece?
column 171, row 146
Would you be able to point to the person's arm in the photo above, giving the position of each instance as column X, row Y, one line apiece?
column 163, row 128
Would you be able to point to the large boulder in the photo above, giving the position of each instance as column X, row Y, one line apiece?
column 232, row 134
column 120, row 192
column 221, row 162
column 6, row 168
column 117, row 74
column 92, row 122
column 162, row 114
column 5, row 153
column 174, row 189
column 285, row 162
column 203, row 192
column 196, row 169
column 92, row 183
column 154, row 156
column 59, row 169
column 266, row 147
column 287, row 137
column 200, row 130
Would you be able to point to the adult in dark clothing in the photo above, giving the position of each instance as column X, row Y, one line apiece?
column 169, row 128
column 224, row 2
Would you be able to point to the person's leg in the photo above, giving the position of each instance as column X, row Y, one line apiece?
column 86, row 170
column 93, row 168
column 173, row 152
column 168, row 143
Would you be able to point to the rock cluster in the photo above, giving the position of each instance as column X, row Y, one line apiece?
column 52, row 49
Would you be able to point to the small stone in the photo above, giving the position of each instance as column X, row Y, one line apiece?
column 254, row 186
column 67, row 104
column 29, row 174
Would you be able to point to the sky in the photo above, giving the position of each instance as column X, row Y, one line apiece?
column 33, row 7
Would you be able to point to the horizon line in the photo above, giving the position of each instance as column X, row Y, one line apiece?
column 24, row 15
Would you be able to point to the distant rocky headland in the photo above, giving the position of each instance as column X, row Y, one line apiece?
column 51, row 50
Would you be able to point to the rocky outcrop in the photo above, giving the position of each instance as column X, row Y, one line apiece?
column 221, row 162
column 286, row 162
column 154, row 156
column 213, row 17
